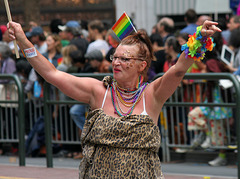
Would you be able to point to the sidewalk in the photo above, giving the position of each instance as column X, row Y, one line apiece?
column 65, row 168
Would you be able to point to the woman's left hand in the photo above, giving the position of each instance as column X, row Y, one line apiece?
column 209, row 28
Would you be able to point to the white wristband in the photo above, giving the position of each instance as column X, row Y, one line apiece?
column 30, row 52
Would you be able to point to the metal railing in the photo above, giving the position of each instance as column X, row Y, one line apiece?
column 13, row 87
column 174, row 105
column 174, row 115
column 47, row 111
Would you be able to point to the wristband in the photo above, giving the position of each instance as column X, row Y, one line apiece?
column 30, row 52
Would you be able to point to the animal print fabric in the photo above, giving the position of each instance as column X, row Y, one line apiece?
column 123, row 147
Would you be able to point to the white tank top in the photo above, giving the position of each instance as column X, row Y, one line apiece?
column 144, row 108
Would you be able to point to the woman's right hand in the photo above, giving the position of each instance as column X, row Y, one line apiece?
column 16, row 32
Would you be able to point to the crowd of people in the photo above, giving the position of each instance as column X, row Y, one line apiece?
column 75, row 48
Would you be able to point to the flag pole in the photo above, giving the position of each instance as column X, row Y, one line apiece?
column 9, row 20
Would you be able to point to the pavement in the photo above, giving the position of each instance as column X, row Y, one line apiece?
column 67, row 168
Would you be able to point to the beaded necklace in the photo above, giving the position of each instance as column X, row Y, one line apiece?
column 129, row 98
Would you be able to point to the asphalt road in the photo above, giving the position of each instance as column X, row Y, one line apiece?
column 66, row 168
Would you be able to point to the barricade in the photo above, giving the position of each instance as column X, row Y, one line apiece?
column 172, row 121
column 51, row 103
column 12, row 113
column 174, row 116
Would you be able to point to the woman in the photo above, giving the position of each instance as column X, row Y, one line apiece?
column 66, row 59
column 120, row 137
column 7, row 64
column 172, row 50
column 54, row 47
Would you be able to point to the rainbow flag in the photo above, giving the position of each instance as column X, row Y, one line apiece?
column 123, row 27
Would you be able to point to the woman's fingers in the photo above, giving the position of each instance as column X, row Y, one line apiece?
column 209, row 28
column 10, row 31
column 15, row 31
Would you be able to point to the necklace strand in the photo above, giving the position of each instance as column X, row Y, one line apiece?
column 129, row 98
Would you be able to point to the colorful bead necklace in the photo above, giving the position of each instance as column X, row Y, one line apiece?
column 128, row 98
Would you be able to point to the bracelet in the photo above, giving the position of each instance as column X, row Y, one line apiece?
column 30, row 52
column 194, row 42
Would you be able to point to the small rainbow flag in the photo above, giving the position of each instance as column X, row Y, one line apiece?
column 123, row 27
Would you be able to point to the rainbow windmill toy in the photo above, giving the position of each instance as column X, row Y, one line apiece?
column 123, row 27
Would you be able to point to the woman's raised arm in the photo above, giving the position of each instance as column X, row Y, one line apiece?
column 77, row 88
column 195, row 48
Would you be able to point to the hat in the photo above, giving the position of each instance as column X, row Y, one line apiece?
column 94, row 55
column 35, row 31
column 70, row 24
column 3, row 28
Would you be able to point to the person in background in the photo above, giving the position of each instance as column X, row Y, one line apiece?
column 95, row 29
column 32, row 24
column 159, row 52
column 222, row 23
column 121, row 127
column 182, row 38
column 113, row 41
column 234, row 23
column 234, row 44
column 212, row 121
column 6, row 39
column 3, row 29
column 172, row 50
column 54, row 48
column 54, row 26
column 23, row 69
column 190, row 18
column 165, row 27
column 95, row 59
column 7, row 64
column 38, row 38
column 201, row 19
column 66, row 58
column 78, row 62
column 72, row 32
column 154, row 29
column 78, row 111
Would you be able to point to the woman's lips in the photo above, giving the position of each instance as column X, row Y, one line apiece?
column 116, row 70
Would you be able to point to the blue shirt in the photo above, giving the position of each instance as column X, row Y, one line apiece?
column 190, row 29
column 237, row 72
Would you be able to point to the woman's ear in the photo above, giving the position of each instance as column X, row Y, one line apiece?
column 142, row 66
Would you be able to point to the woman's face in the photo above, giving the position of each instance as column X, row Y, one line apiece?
column 50, row 43
column 125, row 62
column 167, row 48
column 181, row 40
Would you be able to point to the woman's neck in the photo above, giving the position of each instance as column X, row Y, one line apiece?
column 128, row 85
column 52, row 53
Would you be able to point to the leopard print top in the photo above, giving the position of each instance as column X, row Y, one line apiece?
column 123, row 147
